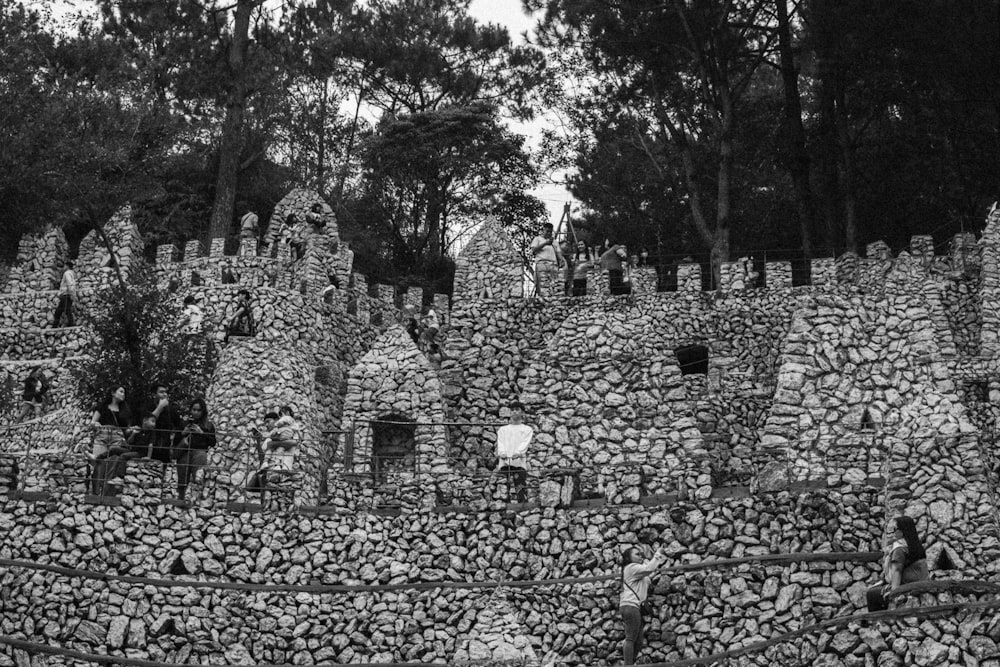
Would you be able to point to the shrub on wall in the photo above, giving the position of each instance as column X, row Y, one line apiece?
column 138, row 342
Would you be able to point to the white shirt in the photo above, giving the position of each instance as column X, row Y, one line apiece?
column 194, row 317
column 68, row 283
column 512, row 445
column 546, row 251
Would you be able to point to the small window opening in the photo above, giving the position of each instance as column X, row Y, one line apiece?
column 867, row 423
column 944, row 561
column 693, row 359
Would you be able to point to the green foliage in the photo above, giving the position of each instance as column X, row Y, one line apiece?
column 431, row 173
column 137, row 343
column 80, row 135
column 410, row 56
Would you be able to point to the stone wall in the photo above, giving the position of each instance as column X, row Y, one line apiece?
column 506, row 350
column 698, row 612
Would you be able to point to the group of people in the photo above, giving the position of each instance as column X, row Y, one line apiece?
column 573, row 262
column 161, row 434
column 904, row 562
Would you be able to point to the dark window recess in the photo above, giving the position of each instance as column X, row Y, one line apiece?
column 944, row 561
column 693, row 359
column 867, row 423
column 394, row 446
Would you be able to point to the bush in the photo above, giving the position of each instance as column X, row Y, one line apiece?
column 137, row 343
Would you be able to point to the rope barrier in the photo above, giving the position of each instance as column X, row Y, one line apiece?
column 833, row 623
column 724, row 563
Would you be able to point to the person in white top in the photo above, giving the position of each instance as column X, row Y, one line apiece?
column 635, row 589
column 512, row 448
column 547, row 258
column 67, row 292
column 192, row 317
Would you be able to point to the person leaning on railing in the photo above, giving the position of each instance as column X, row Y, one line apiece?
column 110, row 420
column 192, row 444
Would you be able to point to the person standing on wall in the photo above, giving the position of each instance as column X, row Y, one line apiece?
column 192, row 444
column 168, row 423
column 67, row 294
column 581, row 266
column 636, row 573
column 614, row 260
column 547, row 258
column 512, row 448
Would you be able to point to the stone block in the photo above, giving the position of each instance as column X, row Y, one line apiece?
column 878, row 250
column 689, row 278
column 217, row 248
column 192, row 250
column 824, row 271
column 166, row 253
column 778, row 274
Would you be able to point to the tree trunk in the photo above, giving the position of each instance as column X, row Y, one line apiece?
column 828, row 161
column 231, row 141
column 321, row 139
column 846, row 169
column 794, row 131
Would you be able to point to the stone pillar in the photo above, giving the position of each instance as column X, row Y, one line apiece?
column 877, row 250
column 442, row 308
column 778, row 274
column 731, row 276
column 414, row 297
column 552, row 285
column 166, row 253
column 689, row 278
column 597, row 282
column 963, row 252
column 192, row 250
column 217, row 248
column 922, row 247
column 847, row 268
column 644, row 280
column 248, row 246
column 824, row 271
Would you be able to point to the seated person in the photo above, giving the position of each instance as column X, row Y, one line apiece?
column 512, row 446
column 241, row 321
column 141, row 442
column 278, row 449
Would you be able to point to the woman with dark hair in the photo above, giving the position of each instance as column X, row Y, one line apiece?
column 582, row 263
column 192, row 444
column 635, row 589
column 111, row 419
column 906, row 560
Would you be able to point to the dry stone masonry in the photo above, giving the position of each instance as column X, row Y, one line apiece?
column 776, row 424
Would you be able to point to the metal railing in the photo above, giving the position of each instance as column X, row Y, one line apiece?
column 328, row 471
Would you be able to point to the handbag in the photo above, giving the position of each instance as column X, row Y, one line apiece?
column 645, row 608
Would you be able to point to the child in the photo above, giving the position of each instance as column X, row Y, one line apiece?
column 140, row 443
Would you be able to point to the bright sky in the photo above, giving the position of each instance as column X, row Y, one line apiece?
column 508, row 13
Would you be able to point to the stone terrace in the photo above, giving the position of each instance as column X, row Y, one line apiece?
column 764, row 433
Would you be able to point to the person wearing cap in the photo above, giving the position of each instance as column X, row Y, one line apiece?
column 248, row 225
column 513, row 440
